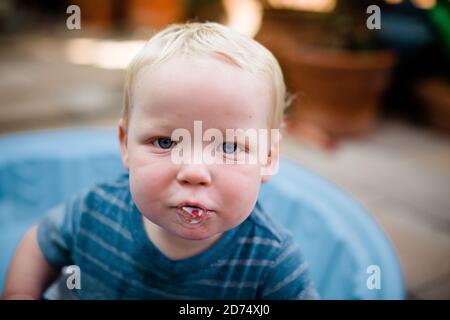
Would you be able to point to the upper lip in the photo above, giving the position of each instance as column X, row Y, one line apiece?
column 193, row 204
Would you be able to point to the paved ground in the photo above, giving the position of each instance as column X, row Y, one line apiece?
column 400, row 173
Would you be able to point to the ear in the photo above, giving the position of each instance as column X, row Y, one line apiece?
column 123, row 143
column 271, row 167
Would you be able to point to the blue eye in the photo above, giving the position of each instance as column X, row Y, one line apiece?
column 163, row 143
column 229, row 147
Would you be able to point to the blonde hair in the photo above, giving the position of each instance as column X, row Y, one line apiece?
column 211, row 39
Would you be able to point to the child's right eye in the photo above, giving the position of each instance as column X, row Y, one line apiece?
column 230, row 147
column 164, row 143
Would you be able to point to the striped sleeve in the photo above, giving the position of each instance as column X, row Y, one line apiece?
column 57, row 230
column 287, row 277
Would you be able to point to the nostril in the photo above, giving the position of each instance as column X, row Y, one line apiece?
column 193, row 176
column 187, row 182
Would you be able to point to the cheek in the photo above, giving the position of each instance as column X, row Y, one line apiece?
column 239, row 186
column 150, row 177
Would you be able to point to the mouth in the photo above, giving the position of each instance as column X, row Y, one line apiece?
column 192, row 214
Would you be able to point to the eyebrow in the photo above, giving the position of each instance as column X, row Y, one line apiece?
column 157, row 125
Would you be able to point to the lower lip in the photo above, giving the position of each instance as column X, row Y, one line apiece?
column 187, row 222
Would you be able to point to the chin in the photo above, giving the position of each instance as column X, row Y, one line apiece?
column 194, row 234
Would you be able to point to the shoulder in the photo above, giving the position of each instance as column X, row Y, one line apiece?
column 113, row 195
column 264, row 225
column 287, row 275
column 262, row 231
column 89, row 220
column 107, row 203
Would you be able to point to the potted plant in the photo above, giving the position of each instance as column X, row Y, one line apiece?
column 334, row 67
column 434, row 90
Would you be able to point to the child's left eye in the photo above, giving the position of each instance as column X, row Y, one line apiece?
column 230, row 147
column 164, row 143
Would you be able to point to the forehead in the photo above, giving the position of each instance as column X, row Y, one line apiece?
column 210, row 89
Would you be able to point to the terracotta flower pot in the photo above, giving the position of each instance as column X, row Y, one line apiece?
column 155, row 13
column 435, row 96
column 98, row 13
column 338, row 91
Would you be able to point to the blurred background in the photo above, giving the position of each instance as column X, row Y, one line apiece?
column 370, row 107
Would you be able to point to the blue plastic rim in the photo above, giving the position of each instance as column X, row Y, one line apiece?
column 339, row 238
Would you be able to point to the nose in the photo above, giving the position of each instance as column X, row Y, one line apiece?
column 194, row 174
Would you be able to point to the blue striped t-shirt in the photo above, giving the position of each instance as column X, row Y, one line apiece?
column 101, row 231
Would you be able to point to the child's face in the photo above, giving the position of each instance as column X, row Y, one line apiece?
column 173, row 95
